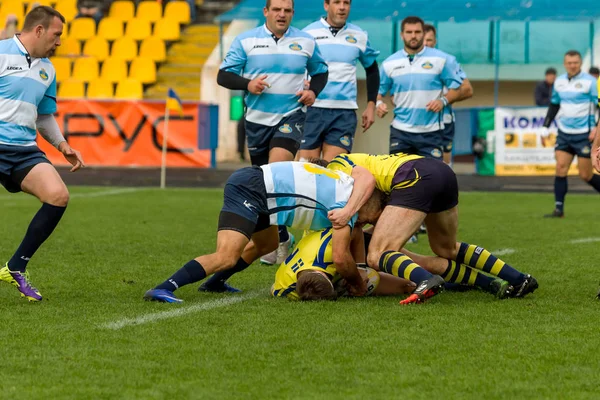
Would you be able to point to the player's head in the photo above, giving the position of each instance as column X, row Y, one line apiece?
column 337, row 12
column 594, row 71
column 315, row 285
column 318, row 161
column 430, row 35
column 413, row 33
column 573, row 62
column 278, row 14
column 371, row 211
column 550, row 75
column 41, row 31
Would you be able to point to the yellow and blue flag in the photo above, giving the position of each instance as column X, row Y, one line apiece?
column 174, row 102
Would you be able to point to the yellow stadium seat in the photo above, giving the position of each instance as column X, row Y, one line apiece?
column 129, row 89
column 124, row 48
column 110, row 28
column 39, row 3
column 62, row 66
column 154, row 48
column 71, row 88
column 178, row 11
column 143, row 69
column 69, row 47
column 100, row 89
column 82, row 28
column 123, row 10
column 65, row 33
column 149, row 11
column 167, row 29
column 113, row 70
column 67, row 8
column 12, row 7
column 85, row 69
column 138, row 29
column 96, row 47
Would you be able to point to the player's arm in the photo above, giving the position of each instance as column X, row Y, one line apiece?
column 364, row 184
column 230, row 72
column 465, row 90
column 592, row 121
column 344, row 263
column 368, row 59
column 553, row 108
column 385, row 85
column 319, row 73
column 452, row 77
column 357, row 245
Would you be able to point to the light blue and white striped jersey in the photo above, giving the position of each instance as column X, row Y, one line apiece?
column 577, row 98
column 414, row 84
column 341, row 52
column 27, row 88
column 449, row 116
column 285, row 61
column 300, row 194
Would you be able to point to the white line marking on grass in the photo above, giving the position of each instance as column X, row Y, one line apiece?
column 178, row 312
column 503, row 252
column 585, row 240
column 102, row 193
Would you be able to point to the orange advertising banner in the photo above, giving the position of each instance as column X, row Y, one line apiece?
column 124, row 133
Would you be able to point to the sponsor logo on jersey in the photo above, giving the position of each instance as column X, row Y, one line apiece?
column 345, row 140
column 285, row 128
column 578, row 85
column 351, row 39
column 43, row 74
column 295, row 46
column 427, row 65
column 14, row 68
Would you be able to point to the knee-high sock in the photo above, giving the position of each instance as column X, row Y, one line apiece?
column 595, row 182
column 221, row 277
column 191, row 272
column 464, row 275
column 480, row 258
column 401, row 265
column 560, row 192
column 40, row 228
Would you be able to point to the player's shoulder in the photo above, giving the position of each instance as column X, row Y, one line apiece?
column 314, row 26
column 257, row 32
column 294, row 32
column 8, row 47
column 355, row 29
column 562, row 77
column 432, row 52
column 587, row 77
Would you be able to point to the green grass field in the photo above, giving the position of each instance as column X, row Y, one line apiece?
column 93, row 337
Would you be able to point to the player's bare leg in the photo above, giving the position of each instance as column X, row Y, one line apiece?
column 330, row 151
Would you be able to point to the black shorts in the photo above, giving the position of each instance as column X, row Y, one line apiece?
column 245, row 203
column 15, row 164
column 287, row 134
column 426, row 185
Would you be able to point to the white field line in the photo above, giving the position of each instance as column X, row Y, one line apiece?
column 585, row 240
column 503, row 252
column 101, row 193
column 178, row 312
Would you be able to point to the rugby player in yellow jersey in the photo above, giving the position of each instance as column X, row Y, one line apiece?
column 421, row 190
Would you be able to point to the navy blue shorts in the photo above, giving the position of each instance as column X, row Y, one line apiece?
column 448, row 137
column 327, row 125
column 425, row 185
column 577, row 144
column 428, row 144
column 15, row 164
column 245, row 202
column 286, row 134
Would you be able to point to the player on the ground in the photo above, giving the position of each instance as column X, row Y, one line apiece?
column 416, row 77
column 310, row 274
column 421, row 190
column 294, row 194
column 575, row 94
column 28, row 102
column 270, row 63
column 331, row 122
column 465, row 90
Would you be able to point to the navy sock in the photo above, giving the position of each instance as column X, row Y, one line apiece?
column 560, row 191
column 595, row 182
column 479, row 258
column 41, row 227
column 221, row 277
column 191, row 272
column 284, row 236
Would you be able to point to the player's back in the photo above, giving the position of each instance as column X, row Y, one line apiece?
column 300, row 195
column 382, row 167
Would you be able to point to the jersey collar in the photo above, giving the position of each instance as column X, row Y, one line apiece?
column 268, row 31
column 324, row 22
column 404, row 53
column 22, row 48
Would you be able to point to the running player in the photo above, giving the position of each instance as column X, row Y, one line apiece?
column 293, row 194
column 421, row 190
column 331, row 122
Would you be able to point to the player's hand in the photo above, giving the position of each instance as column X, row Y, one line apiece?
column 382, row 110
column 596, row 158
column 307, row 97
column 358, row 290
column 306, row 84
column 435, row 106
column 71, row 155
column 368, row 117
column 258, row 85
column 592, row 134
column 339, row 218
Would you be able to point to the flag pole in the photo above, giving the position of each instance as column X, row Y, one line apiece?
column 163, row 168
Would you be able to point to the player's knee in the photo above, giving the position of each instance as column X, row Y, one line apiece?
column 447, row 252
column 373, row 259
column 58, row 197
column 226, row 261
column 585, row 175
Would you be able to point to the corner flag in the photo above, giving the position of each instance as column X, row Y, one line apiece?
column 174, row 102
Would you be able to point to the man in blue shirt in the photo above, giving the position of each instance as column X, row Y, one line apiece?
column 416, row 77
column 331, row 122
column 27, row 103
column 574, row 94
column 270, row 63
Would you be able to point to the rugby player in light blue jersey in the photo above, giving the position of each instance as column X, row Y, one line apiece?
column 415, row 77
column 331, row 122
column 270, row 63
column 294, row 194
column 27, row 103
column 574, row 94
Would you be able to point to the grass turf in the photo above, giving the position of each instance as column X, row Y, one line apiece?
column 112, row 246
